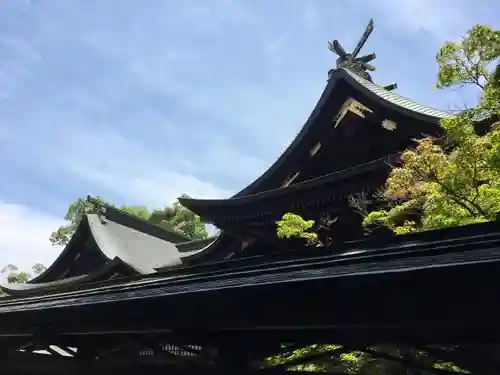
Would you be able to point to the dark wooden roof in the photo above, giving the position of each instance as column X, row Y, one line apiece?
column 341, row 84
column 209, row 208
column 408, row 273
column 333, row 95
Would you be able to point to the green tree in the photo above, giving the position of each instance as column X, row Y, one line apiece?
column 455, row 180
column 174, row 217
column 180, row 219
column 141, row 212
column 16, row 276
column 76, row 211
column 38, row 268
column 294, row 226
column 474, row 60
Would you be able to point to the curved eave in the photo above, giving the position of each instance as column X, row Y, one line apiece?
column 308, row 126
column 66, row 256
column 195, row 245
column 118, row 216
column 140, row 251
column 116, row 236
column 222, row 247
column 385, row 98
column 200, row 206
column 29, row 288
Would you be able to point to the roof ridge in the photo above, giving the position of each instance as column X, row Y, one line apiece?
column 396, row 98
column 134, row 222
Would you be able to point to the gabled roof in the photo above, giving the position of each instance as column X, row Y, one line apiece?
column 125, row 246
column 333, row 93
column 141, row 251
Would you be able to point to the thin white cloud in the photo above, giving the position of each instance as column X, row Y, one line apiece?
column 117, row 167
column 24, row 236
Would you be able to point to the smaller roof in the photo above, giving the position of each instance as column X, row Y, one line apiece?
column 141, row 251
column 126, row 246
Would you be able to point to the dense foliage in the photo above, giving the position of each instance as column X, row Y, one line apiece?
column 175, row 217
column 455, row 180
column 373, row 360
column 294, row 226
column 179, row 219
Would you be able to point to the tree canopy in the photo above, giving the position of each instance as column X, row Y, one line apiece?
column 454, row 180
column 294, row 226
column 174, row 217
column 16, row 276
column 180, row 219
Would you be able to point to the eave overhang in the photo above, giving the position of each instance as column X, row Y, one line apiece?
column 66, row 257
column 208, row 209
column 340, row 82
column 114, row 268
column 125, row 246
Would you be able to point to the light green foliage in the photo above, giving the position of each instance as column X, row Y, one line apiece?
column 345, row 360
column 449, row 366
column 175, row 217
column 139, row 211
column 76, row 211
column 38, row 268
column 16, row 276
column 294, row 226
column 376, row 218
column 455, row 182
column 473, row 60
column 180, row 219
column 336, row 359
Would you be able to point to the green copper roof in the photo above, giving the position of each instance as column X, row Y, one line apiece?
column 392, row 97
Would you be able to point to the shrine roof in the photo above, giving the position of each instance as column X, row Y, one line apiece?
column 199, row 205
column 333, row 93
column 390, row 96
column 141, row 251
column 445, row 249
column 123, row 242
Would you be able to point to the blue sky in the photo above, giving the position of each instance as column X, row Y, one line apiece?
column 140, row 102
